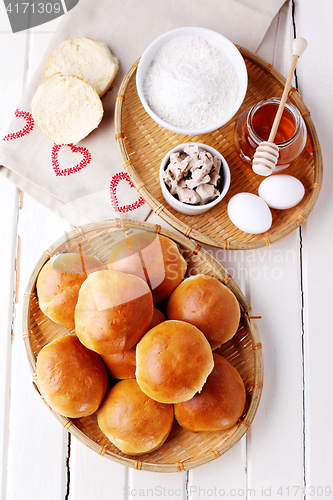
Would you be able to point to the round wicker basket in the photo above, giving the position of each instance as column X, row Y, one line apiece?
column 183, row 450
column 142, row 144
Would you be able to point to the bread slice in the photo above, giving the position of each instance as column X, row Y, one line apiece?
column 66, row 108
column 86, row 58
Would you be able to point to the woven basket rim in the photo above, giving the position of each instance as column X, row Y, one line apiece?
column 175, row 222
column 220, row 273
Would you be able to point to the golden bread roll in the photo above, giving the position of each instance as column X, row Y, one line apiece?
column 158, row 317
column 72, row 378
column 59, row 282
column 219, row 405
column 132, row 421
column 122, row 365
column 152, row 257
column 173, row 361
column 113, row 311
column 207, row 304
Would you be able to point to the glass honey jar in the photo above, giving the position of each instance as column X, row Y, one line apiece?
column 254, row 125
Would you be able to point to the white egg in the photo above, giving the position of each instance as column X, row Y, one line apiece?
column 249, row 213
column 281, row 191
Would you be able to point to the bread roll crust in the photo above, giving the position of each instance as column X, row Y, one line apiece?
column 121, row 366
column 219, row 405
column 59, row 282
column 113, row 311
column 72, row 378
column 207, row 304
column 154, row 258
column 132, row 421
column 173, row 361
column 158, row 317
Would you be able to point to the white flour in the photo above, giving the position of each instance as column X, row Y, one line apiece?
column 190, row 83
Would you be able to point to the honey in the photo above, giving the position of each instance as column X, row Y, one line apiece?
column 254, row 125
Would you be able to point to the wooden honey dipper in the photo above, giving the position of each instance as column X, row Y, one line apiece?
column 267, row 153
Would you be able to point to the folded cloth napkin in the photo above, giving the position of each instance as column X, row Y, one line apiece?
column 87, row 182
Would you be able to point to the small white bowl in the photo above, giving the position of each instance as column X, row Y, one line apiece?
column 186, row 208
column 212, row 37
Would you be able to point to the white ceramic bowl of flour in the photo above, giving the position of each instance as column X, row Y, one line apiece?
column 191, row 80
column 186, row 208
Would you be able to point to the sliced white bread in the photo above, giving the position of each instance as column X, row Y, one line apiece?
column 66, row 108
column 86, row 58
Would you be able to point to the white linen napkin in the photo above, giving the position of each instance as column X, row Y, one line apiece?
column 87, row 182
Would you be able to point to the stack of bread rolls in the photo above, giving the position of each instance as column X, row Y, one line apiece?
column 148, row 335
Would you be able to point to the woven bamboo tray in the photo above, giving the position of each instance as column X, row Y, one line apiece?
column 183, row 450
column 143, row 143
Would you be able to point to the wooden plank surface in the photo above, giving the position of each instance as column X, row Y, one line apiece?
column 275, row 449
column 11, row 86
column 287, row 452
column 317, row 242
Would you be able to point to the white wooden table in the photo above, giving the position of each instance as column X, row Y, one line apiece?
column 288, row 451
